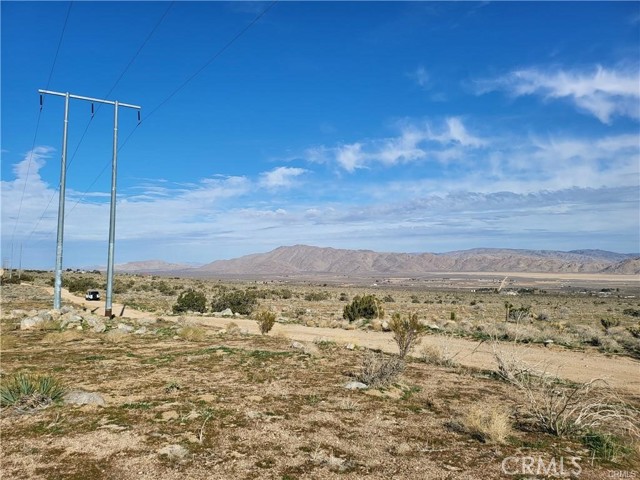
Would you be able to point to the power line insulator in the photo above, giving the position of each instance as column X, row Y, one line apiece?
column 92, row 111
column 40, row 102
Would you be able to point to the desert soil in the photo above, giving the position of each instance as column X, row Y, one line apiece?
column 622, row 373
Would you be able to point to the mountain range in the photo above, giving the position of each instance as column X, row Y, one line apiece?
column 305, row 260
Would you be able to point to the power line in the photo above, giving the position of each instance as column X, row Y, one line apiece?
column 35, row 136
column 73, row 156
column 180, row 87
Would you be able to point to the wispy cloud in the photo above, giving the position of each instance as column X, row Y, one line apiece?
column 280, row 177
column 415, row 142
column 420, row 76
column 602, row 92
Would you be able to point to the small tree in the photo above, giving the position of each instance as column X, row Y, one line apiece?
column 406, row 332
column 190, row 300
column 366, row 306
column 266, row 320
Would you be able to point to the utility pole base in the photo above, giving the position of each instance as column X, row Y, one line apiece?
column 107, row 312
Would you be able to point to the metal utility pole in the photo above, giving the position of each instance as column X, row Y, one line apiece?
column 112, row 223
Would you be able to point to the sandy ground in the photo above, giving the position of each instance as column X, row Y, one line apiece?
column 622, row 373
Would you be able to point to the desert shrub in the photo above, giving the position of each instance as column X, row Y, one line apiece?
column 388, row 299
column 608, row 323
column 266, row 320
column 378, row 370
column 565, row 409
column 12, row 280
column 415, row 299
column 365, row 306
column 192, row 333
column 30, row 392
column 634, row 312
column 406, row 332
column 317, row 296
column 163, row 287
column 80, row 285
column 239, row 301
column 438, row 355
column 487, row 424
column 344, row 297
column 605, row 446
column 634, row 330
column 518, row 314
column 190, row 301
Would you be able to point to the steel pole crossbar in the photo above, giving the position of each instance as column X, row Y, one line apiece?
column 57, row 291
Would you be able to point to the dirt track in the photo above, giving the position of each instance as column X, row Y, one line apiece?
column 622, row 373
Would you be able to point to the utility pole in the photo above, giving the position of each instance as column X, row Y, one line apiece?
column 58, row 272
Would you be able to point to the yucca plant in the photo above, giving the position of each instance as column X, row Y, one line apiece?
column 30, row 392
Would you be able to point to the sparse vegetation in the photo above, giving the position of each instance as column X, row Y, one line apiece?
column 266, row 320
column 489, row 425
column 239, row 301
column 190, row 301
column 365, row 306
column 379, row 370
column 27, row 392
column 406, row 332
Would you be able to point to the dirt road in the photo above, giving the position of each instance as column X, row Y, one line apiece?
column 622, row 373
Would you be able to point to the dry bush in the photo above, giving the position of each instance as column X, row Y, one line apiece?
column 379, row 370
column 192, row 333
column 406, row 332
column 116, row 336
column 438, row 355
column 266, row 320
column 487, row 425
column 564, row 409
column 233, row 329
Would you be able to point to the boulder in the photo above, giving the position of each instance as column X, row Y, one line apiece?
column 81, row 397
column 96, row 324
column 31, row 323
column 385, row 326
column 227, row 312
column 123, row 327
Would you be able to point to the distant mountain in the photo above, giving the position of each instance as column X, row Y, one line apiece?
column 151, row 266
column 303, row 259
column 628, row 267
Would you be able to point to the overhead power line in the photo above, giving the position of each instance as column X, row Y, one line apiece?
column 35, row 135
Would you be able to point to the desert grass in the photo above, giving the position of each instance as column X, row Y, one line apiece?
column 488, row 424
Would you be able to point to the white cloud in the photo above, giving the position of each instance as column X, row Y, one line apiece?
column 415, row 142
column 421, row 77
column 280, row 177
column 604, row 93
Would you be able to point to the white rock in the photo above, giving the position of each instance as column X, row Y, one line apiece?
column 226, row 312
column 80, row 397
column 385, row 326
column 355, row 386
column 123, row 327
column 350, row 346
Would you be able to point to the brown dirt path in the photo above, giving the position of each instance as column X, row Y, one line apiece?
column 622, row 373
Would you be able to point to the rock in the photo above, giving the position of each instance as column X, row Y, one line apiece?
column 376, row 325
column 96, row 324
column 80, row 397
column 18, row 313
column 385, row 326
column 141, row 331
column 123, row 327
column 309, row 349
column 548, row 342
column 355, row 386
column 433, row 326
column 66, row 309
column 146, row 321
column 174, row 452
column 70, row 320
column 45, row 315
column 350, row 346
column 30, row 323
column 226, row 313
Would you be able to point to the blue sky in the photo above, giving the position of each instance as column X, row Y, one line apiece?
column 389, row 126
